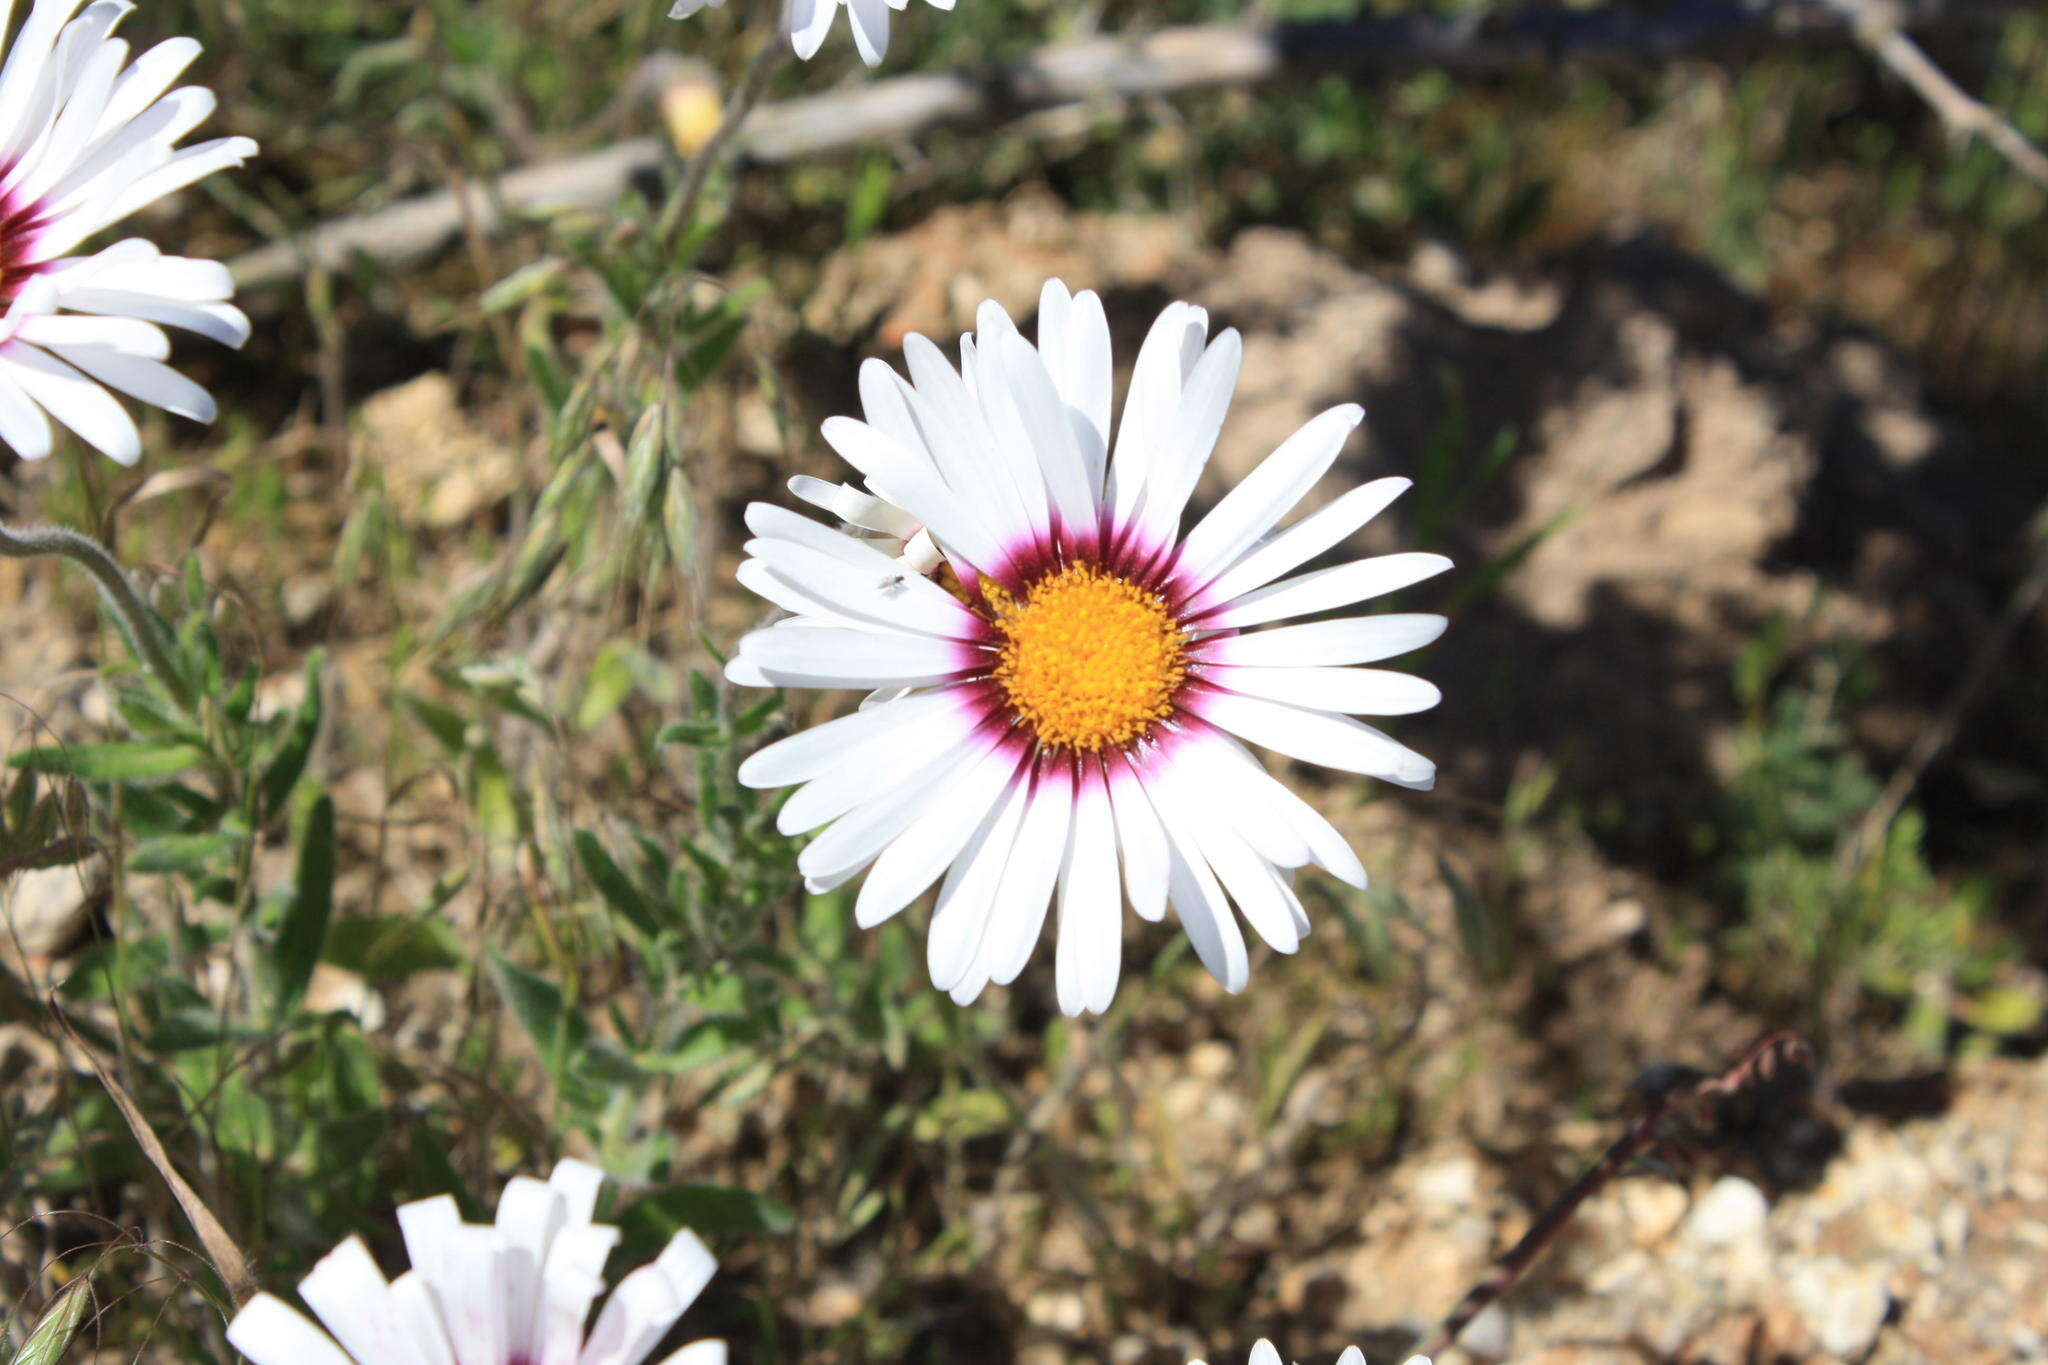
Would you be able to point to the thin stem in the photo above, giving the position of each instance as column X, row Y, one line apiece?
column 1757, row 1064
column 143, row 628
column 681, row 209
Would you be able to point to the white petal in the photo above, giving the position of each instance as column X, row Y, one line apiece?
column 1045, row 421
column 1304, row 540
column 954, row 522
column 873, row 768
column 1018, row 916
column 1204, row 401
column 698, row 1353
column 1264, row 1354
column 1317, row 737
column 271, row 1332
column 860, row 835
column 805, row 755
column 1088, row 956
column 1078, row 355
column 874, row 588
column 1326, row 846
column 831, row 656
column 128, row 335
column 1217, row 763
column 349, row 1295
column 990, row 468
column 1349, row 640
column 422, row 1317
column 648, row 1302
column 1196, row 895
column 74, row 400
column 917, row 857
column 1357, row 691
column 531, row 1213
column 1140, row 842
column 1325, row 589
column 1150, row 410
column 854, row 507
column 968, row 893
column 22, row 424
column 1266, row 494
column 870, row 29
column 144, row 379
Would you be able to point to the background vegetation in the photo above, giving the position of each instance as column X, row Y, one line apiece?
column 446, row 874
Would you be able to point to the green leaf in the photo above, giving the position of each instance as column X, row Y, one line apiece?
column 51, row 1338
column 558, row 1031
column 289, row 762
column 386, row 947
column 522, row 284
column 304, row 931
column 611, row 682
column 713, row 1210
column 614, row 885
column 963, row 1116
column 188, row 855
column 688, row 732
column 441, row 722
column 117, row 762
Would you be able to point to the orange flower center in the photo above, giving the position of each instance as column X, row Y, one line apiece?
column 1089, row 660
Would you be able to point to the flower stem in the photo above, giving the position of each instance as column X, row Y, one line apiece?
column 144, row 630
column 677, row 214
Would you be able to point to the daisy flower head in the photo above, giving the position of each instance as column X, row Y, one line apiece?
column 1265, row 1354
column 87, row 138
column 515, row 1292
column 808, row 21
column 1065, row 703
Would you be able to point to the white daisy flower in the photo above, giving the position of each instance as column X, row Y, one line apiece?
column 87, row 138
column 808, row 21
column 513, row 1293
column 1264, row 1354
column 1071, row 697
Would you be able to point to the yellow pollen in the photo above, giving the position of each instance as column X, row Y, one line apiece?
column 1087, row 659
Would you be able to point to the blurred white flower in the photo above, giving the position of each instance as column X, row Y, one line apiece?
column 87, row 138
column 516, row 1292
column 1264, row 1354
column 1069, row 697
column 808, row 21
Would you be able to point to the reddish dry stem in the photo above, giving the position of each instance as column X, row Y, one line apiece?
column 1760, row 1063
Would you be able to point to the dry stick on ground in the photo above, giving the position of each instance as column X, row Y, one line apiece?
column 1760, row 1063
column 1876, row 27
column 1103, row 69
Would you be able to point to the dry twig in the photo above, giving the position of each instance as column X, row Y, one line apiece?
column 1102, row 71
column 1876, row 26
column 1760, row 1063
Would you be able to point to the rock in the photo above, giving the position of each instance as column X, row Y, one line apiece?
column 1842, row 1306
column 1732, row 1213
column 42, row 910
column 439, row 468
